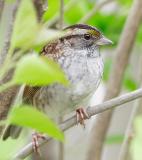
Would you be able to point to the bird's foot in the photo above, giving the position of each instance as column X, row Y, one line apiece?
column 35, row 138
column 81, row 115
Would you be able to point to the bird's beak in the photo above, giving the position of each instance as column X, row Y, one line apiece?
column 103, row 41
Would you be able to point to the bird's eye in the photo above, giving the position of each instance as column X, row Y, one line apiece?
column 87, row 36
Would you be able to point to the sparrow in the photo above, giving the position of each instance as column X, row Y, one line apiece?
column 78, row 54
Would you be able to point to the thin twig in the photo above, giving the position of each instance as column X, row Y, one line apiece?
column 95, row 9
column 9, row 32
column 40, row 8
column 61, row 21
column 60, row 120
column 60, row 144
column 115, row 102
column 55, row 19
column 1, row 7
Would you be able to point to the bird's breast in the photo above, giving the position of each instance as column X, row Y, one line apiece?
column 84, row 72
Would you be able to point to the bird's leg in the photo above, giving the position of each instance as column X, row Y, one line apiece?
column 35, row 138
column 81, row 115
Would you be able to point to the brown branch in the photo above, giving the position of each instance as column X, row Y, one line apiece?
column 115, row 102
column 123, row 52
column 40, row 8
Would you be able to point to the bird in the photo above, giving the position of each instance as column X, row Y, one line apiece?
column 78, row 54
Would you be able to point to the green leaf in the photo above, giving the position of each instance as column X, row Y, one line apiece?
column 38, row 71
column 53, row 8
column 27, row 116
column 129, row 82
column 74, row 14
column 136, row 143
column 10, row 1
column 125, row 3
column 114, row 139
column 107, row 69
column 26, row 26
column 103, row 22
column 45, row 35
column 139, row 36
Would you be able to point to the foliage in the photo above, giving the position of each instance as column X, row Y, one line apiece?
column 107, row 69
column 139, row 36
column 28, row 33
column 37, row 71
column 26, row 22
column 129, row 82
column 53, row 9
column 81, row 8
column 100, row 19
column 104, row 22
column 114, row 139
column 37, row 120
column 126, row 3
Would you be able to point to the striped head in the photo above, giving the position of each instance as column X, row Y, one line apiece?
column 83, row 36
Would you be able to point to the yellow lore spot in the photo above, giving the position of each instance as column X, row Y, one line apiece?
column 94, row 32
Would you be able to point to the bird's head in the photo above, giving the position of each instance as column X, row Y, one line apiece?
column 83, row 36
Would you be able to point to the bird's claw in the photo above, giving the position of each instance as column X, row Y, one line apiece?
column 35, row 143
column 81, row 115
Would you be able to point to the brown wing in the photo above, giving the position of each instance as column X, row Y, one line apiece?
column 53, row 50
column 29, row 93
